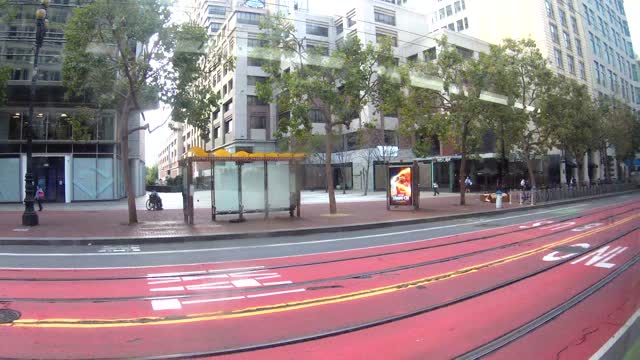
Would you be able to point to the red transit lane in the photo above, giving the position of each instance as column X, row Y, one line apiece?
column 259, row 275
column 71, row 330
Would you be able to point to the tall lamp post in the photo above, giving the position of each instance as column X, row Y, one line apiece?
column 30, row 217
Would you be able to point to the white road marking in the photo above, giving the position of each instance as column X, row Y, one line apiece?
column 277, row 283
column 267, row 277
column 174, row 274
column 605, row 348
column 275, row 293
column 251, row 275
column 219, row 276
column 186, row 251
column 163, row 281
column 208, row 287
column 245, row 283
column 166, row 304
column 212, row 300
column 22, row 230
column 174, row 288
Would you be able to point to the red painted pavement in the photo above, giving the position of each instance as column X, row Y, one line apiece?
column 147, row 340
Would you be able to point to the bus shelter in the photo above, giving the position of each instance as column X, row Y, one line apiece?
column 242, row 183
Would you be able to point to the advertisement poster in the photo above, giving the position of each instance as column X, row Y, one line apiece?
column 400, row 185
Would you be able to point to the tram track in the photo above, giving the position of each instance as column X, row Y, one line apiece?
column 309, row 283
column 520, row 331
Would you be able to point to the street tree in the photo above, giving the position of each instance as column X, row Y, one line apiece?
column 571, row 108
column 523, row 77
column 152, row 175
column 617, row 127
column 119, row 54
column 305, row 79
column 453, row 110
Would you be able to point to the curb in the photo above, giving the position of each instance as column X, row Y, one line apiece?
column 87, row 241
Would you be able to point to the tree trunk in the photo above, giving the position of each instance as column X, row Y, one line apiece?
column 328, row 171
column 532, row 178
column 126, row 171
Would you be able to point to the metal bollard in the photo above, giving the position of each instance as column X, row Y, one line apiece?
column 498, row 199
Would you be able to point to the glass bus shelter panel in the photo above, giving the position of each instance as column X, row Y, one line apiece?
column 226, row 183
column 253, row 186
column 280, row 184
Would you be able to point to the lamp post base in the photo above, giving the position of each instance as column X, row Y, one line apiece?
column 30, row 218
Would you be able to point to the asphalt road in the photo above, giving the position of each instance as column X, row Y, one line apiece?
column 553, row 283
column 127, row 255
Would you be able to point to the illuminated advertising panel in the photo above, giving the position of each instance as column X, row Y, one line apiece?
column 400, row 185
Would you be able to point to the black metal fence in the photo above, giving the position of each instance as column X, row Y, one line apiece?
column 567, row 192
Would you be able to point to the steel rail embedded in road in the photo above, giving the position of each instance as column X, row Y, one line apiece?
column 238, row 291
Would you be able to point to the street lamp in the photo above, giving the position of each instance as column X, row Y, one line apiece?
column 30, row 217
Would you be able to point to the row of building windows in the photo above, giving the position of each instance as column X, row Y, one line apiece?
column 54, row 126
column 317, row 29
column 385, row 17
column 610, row 32
column 623, row 87
column 603, row 51
column 553, row 29
column 571, row 64
column 459, row 25
column 449, row 10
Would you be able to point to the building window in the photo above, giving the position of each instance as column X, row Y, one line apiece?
column 547, row 5
column 254, row 43
column 318, row 30
column 583, row 70
column 430, row 54
column 214, row 27
column 571, row 64
column 563, row 18
column 251, row 61
column 227, row 106
column 339, row 28
column 389, row 19
column 457, row 7
column 216, row 132
column 228, row 124
column 554, row 33
column 254, row 80
column 248, row 18
column 567, row 40
column 574, row 25
column 217, row 10
column 452, row 27
column 558, row 55
column 463, row 5
column 442, row 14
column 258, row 121
column 578, row 47
column 598, row 46
column 230, row 85
column 381, row 37
column 611, row 80
column 316, row 116
column 254, row 100
column 586, row 13
column 449, row 10
column 460, row 25
column 318, row 49
column 597, row 71
column 466, row 23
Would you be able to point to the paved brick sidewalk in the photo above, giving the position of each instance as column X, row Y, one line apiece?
column 113, row 223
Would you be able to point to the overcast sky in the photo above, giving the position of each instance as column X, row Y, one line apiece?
column 156, row 141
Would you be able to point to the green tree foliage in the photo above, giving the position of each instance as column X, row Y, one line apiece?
column 81, row 123
column 119, row 54
column 571, row 109
column 303, row 79
column 5, row 72
column 152, row 175
column 520, row 73
column 618, row 129
column 450, row 107
column 189, row 91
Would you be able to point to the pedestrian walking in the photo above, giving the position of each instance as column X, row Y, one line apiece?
column 467, row 184
column 523, row 184
column 39, row 197
column 435, row 189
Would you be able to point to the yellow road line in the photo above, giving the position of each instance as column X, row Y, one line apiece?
column 268, row 309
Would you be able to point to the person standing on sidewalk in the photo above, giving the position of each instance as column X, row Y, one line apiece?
column 39, row 197
column 467, row 184
column 435, row 189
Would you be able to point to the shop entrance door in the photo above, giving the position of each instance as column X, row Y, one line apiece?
column 49, row 175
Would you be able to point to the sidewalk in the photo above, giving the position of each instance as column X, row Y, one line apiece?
column 86, row 221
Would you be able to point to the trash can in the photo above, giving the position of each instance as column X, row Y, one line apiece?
column 498, row 199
